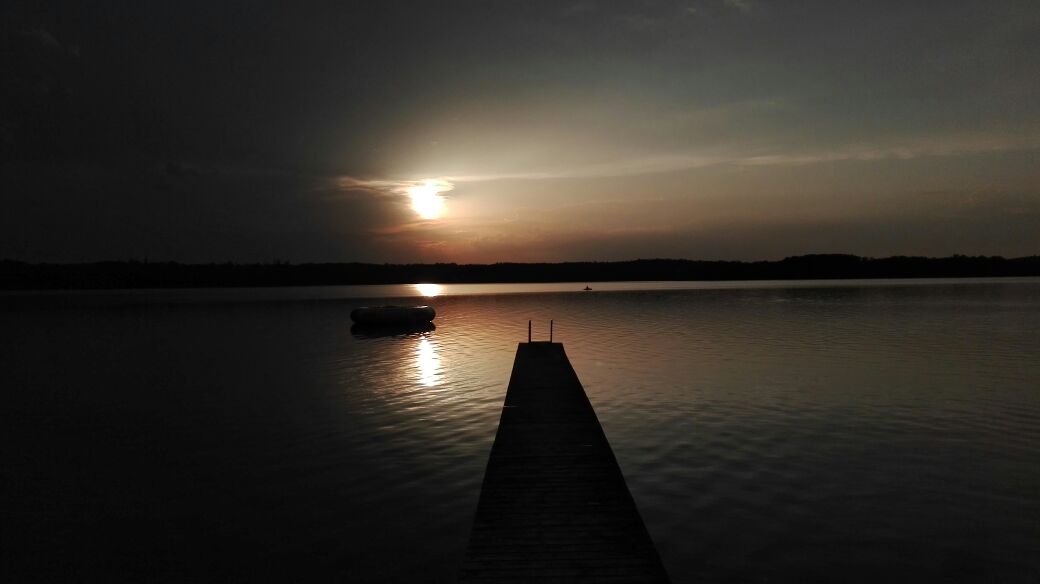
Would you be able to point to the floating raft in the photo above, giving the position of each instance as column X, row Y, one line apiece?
column 554, row 506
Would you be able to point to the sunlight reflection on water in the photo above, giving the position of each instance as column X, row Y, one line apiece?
column 429, row 290
column 427, row 362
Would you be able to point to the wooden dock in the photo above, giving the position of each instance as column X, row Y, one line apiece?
column 554, row 506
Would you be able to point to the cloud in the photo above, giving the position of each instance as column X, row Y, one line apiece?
column 744, row 6
column 187, row 212
column 992, row 224
column 44, row 40
column 401, row 187
column 581, row 7
column 939, row 146
column 642, row 22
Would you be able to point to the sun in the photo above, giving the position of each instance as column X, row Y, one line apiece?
column 427, row 200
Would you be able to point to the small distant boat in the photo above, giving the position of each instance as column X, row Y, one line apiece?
column 587, row 289
column 392, row 315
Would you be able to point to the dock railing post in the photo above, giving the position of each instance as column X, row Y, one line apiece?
column 550, row 330
column 528, row 331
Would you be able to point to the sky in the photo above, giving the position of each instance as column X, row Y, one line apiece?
column 488, row 131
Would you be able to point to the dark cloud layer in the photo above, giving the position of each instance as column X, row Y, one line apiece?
column 201, row 131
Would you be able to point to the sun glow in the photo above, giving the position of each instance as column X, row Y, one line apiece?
column 427, row 200
column 429, row 290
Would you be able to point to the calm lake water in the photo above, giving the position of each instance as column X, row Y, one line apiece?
column 769, row 431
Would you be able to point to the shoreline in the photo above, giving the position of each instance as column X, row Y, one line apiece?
column 133, row 274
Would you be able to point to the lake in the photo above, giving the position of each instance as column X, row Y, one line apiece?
column 853, row 431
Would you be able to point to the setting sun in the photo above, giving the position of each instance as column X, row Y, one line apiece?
column 427, row 200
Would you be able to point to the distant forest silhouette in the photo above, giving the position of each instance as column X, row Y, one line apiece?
column 15, row 275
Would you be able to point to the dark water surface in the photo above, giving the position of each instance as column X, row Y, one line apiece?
column 769, row 432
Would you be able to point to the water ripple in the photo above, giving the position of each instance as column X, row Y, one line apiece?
column 767, row 433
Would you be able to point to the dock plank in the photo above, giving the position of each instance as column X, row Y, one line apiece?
column 554, row 506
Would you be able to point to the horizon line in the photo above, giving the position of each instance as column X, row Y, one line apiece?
column 281, row 262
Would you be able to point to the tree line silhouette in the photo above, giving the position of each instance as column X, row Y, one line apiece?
column 15, row 275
